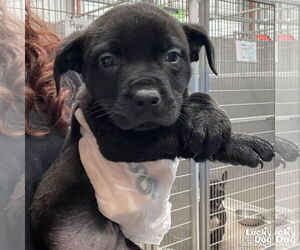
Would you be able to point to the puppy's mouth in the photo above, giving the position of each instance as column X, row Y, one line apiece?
column 126, row 123
column 145, row 121
column 146, row 126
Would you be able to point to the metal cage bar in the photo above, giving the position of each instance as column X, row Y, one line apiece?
column 204, row 167
column 245, row 89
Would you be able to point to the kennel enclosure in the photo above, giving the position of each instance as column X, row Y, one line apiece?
column 258, row 85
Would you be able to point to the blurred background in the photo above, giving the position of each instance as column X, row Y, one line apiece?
column 217, row 206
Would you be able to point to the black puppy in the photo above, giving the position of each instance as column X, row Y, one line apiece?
column 135, row 61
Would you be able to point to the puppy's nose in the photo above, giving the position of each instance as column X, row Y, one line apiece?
column 147, row 98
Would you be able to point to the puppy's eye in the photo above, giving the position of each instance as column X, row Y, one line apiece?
column 172, row 57
column 107, row 61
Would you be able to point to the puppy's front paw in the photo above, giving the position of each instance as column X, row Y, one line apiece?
column 206, row 128
column 246, row 150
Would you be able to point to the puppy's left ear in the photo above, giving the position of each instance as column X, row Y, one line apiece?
column 197, row 37
column 68, row 57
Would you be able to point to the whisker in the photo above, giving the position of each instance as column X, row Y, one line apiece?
column 96, row 108
column 101, row 115
column 109, row 113
column 95, row 112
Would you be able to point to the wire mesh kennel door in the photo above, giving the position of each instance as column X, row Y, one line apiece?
column 241, row 199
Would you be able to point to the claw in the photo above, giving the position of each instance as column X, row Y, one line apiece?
column 211, row 157
column 283, row 162
column 261, row 163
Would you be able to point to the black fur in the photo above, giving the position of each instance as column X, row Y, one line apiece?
column 137, row 39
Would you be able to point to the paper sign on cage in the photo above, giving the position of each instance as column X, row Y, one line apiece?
column 73, row 24
column 246, row 51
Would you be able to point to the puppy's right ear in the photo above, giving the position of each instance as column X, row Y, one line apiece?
column 68, row 57
column 198, row 37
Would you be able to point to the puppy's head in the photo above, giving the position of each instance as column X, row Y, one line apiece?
column 135, row 62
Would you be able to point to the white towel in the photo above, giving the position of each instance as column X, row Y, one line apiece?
column 134, row 195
